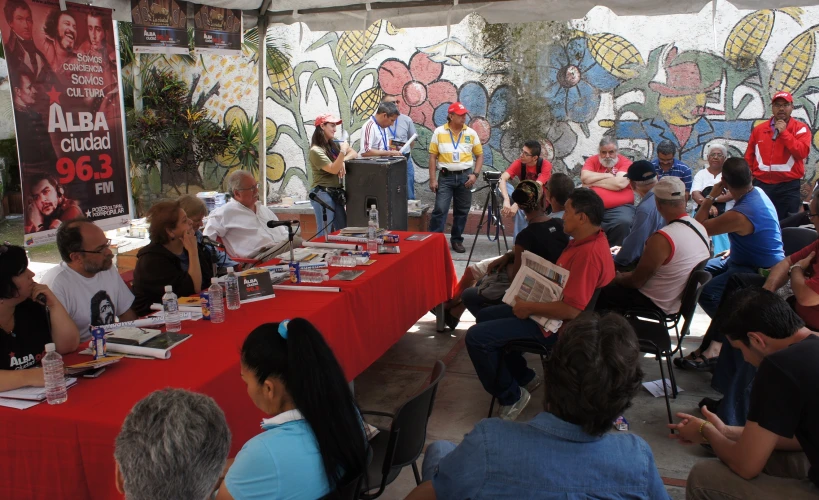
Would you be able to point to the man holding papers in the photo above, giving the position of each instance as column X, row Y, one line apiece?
column 590, row 266
column 86, row 282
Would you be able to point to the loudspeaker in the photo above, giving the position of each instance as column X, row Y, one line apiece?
column 381, row 182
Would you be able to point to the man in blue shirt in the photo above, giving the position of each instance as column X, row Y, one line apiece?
column 401, row 131
column 647, row 219
column 667, row 164
column 566, row 449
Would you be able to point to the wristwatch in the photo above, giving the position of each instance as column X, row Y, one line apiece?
column 790, row 269
column 712, row 198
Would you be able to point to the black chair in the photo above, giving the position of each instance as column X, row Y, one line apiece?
column 797, row 238
column 653, row 331
column 532, row 347
column 401, row 444
column 349, row 489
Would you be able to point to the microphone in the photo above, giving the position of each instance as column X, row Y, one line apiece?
column 276, row 223
column 314, row 197
column 209, row 242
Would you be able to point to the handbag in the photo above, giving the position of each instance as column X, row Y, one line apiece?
column 493, row 286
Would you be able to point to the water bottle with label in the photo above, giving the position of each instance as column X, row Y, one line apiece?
column 54, row 375
column 170, row 305
column 372, row 231
column 217, row 303
column 232, row 290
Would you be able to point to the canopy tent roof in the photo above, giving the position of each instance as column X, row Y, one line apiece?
column 340, row 15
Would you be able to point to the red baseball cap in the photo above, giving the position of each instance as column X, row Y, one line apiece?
column 457, row 108
column 782, row 95
column 328, row 118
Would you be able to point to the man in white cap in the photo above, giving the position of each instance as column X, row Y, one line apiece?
column 457, row 150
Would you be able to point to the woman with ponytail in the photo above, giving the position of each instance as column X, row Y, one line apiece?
column 314, row 438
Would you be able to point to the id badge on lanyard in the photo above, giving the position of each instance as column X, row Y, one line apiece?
column 456, row 155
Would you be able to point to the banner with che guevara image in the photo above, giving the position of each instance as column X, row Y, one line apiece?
column 217, row 30
column 67, row 114
column 160, row 26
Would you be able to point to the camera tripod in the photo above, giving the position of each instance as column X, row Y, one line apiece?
column 491, row 203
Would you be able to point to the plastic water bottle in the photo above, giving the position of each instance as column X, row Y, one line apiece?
column 170, row 305
column 372, row 231
column 314, row 275
column 56, row 392
column 217, row 303
column 341, row 261
column 232, row 290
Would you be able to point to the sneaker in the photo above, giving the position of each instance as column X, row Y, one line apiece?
column 534, row 384
column 511, row 412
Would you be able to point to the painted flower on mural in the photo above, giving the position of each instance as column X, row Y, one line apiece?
column 243, row 153
column 417, row 86
column 486, row 115
column 574, row 81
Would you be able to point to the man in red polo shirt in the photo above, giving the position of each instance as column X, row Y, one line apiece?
column 776, row 154
column 537, row 169
column 605, row 174
column 590, row 265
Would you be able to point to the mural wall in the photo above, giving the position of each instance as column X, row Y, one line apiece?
column 643, row 79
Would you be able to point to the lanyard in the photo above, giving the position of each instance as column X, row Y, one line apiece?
column 383, row 133
column 394, row 129
column 455, row 144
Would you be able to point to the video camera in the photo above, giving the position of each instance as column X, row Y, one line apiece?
column 492, row 177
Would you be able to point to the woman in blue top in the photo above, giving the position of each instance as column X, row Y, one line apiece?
column 314, row 435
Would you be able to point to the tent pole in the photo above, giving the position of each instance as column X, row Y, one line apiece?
column 261, row 118
column 127, row 164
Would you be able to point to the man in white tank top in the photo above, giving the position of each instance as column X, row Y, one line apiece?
column 669, row 257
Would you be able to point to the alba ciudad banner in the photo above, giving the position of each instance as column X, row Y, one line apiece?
column 65, row 90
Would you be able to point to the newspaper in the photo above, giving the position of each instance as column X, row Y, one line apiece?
column 538, row 280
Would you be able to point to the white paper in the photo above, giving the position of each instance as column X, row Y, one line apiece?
column 33, row 393
column 655, row 387
column 17, row 403
column 408, row 144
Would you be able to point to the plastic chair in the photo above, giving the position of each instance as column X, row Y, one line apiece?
column 652, row 329
column 349, row 489
column 128, row 278
column 245, row 262
column 532, row 347
column 402, row 444
column 797, row 238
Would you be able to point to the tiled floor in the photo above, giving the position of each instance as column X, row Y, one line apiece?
column 461, row 401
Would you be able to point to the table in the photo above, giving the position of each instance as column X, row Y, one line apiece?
column 66, row 451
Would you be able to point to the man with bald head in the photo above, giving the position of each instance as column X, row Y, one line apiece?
column 241, row 223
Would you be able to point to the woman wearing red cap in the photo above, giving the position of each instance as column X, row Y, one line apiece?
column 326, row 159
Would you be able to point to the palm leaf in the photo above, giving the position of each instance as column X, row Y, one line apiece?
column 277, row 56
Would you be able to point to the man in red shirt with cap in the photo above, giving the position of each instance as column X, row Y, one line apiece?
column 776, row 154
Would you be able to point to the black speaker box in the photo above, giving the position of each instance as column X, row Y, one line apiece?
column 379, row 182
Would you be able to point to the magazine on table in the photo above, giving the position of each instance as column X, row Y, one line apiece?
column 538, row 280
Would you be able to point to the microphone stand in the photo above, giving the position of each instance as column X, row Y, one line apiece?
column 290, row 237
column 324, row 220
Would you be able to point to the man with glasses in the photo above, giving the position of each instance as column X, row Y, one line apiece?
column 605, row 174
column 86, row 282
column 536, row 169
column 241, row 223
column 667, row 164
column 776, row 153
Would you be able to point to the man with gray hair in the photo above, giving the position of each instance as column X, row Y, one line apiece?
column 241, row 223
column 647, row 219
column 375, row 136
column 667, row 164
column 173, row 444
column 605, row 174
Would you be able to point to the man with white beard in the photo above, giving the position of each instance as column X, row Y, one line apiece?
column 605, row 174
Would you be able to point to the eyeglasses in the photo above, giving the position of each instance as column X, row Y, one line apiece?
column 781, row 105
column 716, row 155
column 524, row 153
column 251, row 188
column 100, row 249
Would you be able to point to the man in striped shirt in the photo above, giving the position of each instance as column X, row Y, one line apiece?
column 457, row 150
column 667, row 164
column 375, row 138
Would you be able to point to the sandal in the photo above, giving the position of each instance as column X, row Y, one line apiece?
column 680, row 362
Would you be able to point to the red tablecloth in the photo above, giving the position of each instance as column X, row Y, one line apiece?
column 66, row 451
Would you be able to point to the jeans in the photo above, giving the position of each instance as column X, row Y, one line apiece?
column 335, row 220
column 520, row 217
column 410, row 178
column 734, row 283
column 617, row 222
column 451, row 186
column 436, row 451
column 785, row 196
column 721, row 270
column 473, row 301
column 734, row 378
column 495, row 327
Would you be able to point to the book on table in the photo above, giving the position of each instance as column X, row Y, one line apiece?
column 538, row 280
column 131, row 335
column 158, row 347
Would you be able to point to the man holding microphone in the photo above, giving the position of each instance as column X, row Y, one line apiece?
column 457, row 149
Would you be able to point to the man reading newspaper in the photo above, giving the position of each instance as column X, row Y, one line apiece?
column 585, row 265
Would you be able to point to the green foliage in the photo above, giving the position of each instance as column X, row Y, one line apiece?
column 277, row 54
